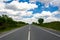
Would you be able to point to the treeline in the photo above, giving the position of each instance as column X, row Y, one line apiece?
column 53, row 25
column 7, row 23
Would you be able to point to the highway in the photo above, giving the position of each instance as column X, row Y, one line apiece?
column 31, row 32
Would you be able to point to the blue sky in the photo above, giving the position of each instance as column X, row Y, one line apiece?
column 40, row 9
column 51, row 8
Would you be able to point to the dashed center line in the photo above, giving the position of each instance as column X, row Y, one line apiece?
column 29, row 33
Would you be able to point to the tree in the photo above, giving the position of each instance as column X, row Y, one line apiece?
column 34, row 23
column 40, row 20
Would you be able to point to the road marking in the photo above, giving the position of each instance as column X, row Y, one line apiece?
column 9, row 33
column 50, row 32
column 29, row 33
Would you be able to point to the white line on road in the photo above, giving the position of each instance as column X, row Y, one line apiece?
column 50, row 32
column 29, row 33
column 9, row 33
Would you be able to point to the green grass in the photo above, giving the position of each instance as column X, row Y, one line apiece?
column 11, row 28
column 53, row 25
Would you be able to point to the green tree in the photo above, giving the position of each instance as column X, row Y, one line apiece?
column 7, row 23
column 34, row 23
column 40, row 20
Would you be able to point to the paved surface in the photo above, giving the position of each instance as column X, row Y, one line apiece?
column 31, row 32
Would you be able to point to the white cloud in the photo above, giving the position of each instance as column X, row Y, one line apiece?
column 52, row 2
column 17, row 10
column 56, row 2
column 32, row 0
column 12, row 12
column 19, row 16
column 46, row 13
column 47, row 16
column 50, row 16
column 46, row 2
column 2, row 5
column 51, row 19
column 25, row 13
column 15, row 5
column 43, row 14
column 8, row 12
column 29, row 20
column 56, row 12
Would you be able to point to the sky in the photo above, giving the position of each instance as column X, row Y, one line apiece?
column 31, row 10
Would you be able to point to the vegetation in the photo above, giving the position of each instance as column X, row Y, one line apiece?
column 34, row 23
column 7, row 23
column 40, row 20
column 53, row 25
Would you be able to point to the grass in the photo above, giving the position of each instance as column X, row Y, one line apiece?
column 11, row 28
column 53, row 25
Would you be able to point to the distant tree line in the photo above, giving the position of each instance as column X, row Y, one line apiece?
column 40, row 21
column 53, row 25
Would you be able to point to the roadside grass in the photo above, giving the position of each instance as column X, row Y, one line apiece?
column 52, row 25
column 11, row 28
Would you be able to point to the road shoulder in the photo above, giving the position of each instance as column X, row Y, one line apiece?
column 10, row 31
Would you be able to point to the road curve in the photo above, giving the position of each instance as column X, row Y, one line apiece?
column 31, row 32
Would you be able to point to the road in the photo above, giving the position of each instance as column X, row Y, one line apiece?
column 31, row 32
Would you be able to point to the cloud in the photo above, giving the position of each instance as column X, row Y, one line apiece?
column 25, row 13
column 2, row 5
column 15, row 5
column 32, row 0
column 56, row 12
column 51, row 19
column 52, row 2
column 47, row 2
column 8, row 12
column 56, row 2
column 19, row 15
column 43, row 14
column 47, row 16
column 18, row 10
column 29, row 20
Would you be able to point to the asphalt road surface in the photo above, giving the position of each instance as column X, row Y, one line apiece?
column 31, row 32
